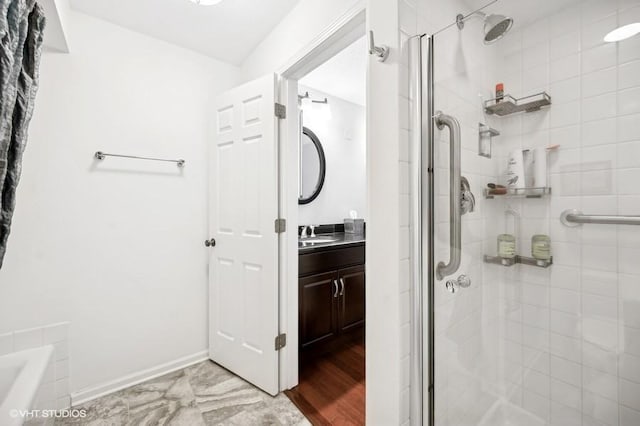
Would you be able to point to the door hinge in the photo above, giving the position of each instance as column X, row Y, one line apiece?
column 280, row 225
column 281, row 111
column 281, row 341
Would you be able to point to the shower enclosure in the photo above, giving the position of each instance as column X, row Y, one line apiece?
column 525, row 210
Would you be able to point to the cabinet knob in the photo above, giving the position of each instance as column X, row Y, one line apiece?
column 210, row 243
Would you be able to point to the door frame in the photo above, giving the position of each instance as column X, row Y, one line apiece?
column 339, row 35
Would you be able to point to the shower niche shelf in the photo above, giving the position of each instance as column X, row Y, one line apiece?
column 509, row 105
column 504, row 261
column 518, row 193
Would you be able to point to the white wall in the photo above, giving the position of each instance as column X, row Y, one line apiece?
column 343, row 140
column 387, row 337
column 306, row 21
column 115, row 247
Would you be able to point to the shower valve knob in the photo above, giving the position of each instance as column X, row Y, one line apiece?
column 451, row 286
column 462, row 281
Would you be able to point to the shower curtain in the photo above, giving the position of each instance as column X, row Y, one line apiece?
column 21, row 31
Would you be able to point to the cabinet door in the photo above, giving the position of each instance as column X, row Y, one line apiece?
column 318, row 314
column 352, row 300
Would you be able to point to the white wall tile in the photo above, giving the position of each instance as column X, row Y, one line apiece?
column 565, row 45
column 566, row 371
column 630, row 340
column 566, row 90
column 629, row 75
column 564, row 300
column 561, row 415
column 599, row 82
column 629, row 154
column 629, row 417
column 630, row 367
column 603, row 56
column 592, row 34
column 629, row 50
column 600, row 408
column 601, row 132
column 629, row 101
column 599, row 107
column 566, row 394
column 600, row 383
column 630, row 394
column 629, row 128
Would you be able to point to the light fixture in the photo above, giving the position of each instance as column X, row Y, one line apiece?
column 623, row 32
column 206, row 2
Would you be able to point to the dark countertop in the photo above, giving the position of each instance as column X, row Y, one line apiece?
column 342, row 239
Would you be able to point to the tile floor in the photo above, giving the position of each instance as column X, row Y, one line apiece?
column 203, row 394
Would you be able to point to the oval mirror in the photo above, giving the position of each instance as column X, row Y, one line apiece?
column 312, row 167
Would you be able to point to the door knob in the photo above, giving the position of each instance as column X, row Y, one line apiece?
column 210, row 243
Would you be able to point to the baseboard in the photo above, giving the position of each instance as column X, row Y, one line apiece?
column 88, row 394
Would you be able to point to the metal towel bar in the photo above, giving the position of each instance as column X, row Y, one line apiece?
column 574, row 217
column 101, row 155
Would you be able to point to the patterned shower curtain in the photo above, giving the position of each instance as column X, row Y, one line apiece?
column 21, row 31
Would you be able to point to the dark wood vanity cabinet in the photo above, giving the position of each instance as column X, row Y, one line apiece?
column 331, row 296
column 351, row 302
column 318, row 315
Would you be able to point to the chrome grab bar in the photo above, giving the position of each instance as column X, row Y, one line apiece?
column 574, row 217
column 455, row 226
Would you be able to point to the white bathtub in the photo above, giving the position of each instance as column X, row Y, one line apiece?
column 21, row 374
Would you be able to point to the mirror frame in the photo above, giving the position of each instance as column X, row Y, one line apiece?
column 323, row 166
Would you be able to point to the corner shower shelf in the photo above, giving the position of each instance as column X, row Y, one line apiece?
column 504, row 261
column 519, row 192
column 510, row 105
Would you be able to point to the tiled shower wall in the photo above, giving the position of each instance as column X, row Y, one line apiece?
column 571, row 334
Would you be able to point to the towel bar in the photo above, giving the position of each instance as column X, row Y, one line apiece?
column 101, row 155
column 574, row 217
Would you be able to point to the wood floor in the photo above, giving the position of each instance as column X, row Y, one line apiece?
column 331, row 388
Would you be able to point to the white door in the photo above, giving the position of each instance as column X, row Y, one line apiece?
column 243, row 264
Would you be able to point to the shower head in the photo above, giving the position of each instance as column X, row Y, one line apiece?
column 495, row 25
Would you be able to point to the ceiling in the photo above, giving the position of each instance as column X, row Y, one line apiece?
column 344, row 75
column 229, row 31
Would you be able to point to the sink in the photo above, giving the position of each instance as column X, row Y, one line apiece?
column 317, row 240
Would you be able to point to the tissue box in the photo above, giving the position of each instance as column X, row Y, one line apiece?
column 354, row 226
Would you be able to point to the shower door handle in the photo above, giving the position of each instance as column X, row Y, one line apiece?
column 455, row 226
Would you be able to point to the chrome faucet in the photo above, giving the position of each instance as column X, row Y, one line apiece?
column 313, row 230
column 303, row 233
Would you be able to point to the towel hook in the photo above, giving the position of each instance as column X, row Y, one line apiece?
column 382, row 52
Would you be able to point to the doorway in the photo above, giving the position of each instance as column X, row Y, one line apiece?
column 323, row 299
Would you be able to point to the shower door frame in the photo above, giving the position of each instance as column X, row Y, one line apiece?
column 421, row 92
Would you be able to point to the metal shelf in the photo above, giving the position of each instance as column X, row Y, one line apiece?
column 504, row 261
column 519, row 192
column 510, row 105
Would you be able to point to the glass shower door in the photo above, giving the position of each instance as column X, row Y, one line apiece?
column 468, row 348
column 536, row 310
